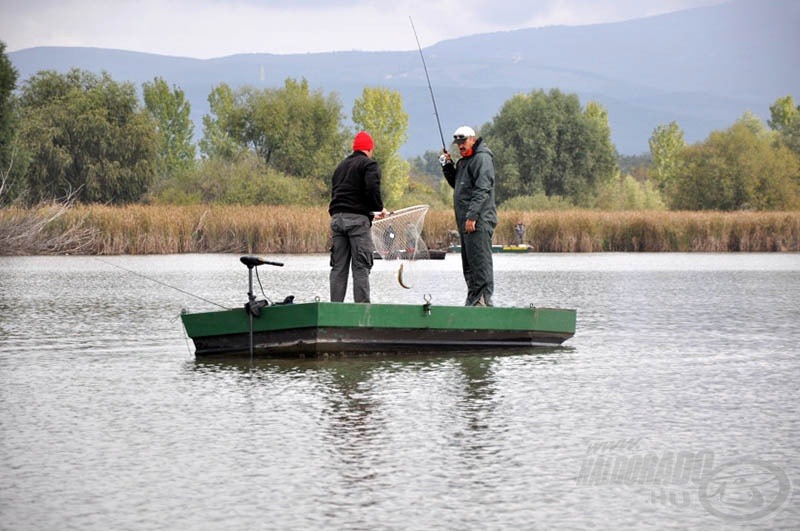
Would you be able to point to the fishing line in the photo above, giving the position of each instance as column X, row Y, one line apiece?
column 162, row 283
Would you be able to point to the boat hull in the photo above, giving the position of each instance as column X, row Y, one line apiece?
column 322, row 329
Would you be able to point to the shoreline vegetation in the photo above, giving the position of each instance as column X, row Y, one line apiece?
column 139, row 229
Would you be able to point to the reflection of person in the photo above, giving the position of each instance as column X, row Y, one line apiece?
column 472, row 179
column 355, row 196
column 453, row 236
column 519, row 231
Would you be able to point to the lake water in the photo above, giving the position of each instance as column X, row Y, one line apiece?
column 675, row 406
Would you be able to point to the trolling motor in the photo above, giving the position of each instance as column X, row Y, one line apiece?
column 253, row 306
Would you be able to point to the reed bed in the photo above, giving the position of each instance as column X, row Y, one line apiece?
column 655, row 231
column 139, row 229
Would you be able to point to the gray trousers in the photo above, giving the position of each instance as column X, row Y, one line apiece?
column 477, row 265
column 352, row 245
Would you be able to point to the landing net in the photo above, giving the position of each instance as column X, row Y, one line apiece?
column 398, row 236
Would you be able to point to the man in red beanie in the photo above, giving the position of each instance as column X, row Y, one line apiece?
column 355, row 197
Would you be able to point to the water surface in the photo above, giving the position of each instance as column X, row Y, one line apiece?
column 108, row 422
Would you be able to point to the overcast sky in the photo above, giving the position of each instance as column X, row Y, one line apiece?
column 217, row 28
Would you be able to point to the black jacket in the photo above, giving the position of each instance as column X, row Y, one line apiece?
column 356, row 186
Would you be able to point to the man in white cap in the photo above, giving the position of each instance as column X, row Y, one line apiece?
column 472, row 179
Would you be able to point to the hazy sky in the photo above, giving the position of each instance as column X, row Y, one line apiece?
column 216, row 28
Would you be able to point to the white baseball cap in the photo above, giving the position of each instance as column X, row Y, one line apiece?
column 462, row 133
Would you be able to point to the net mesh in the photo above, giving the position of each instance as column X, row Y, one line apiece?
column 399, row 235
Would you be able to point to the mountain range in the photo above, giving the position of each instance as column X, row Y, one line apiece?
column 703, row 68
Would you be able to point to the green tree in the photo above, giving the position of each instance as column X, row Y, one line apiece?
column 221, row 127
column 545, row 143
column 245, row 180
column 740, row 168
column 302, row 128
column 627, row 193
column 638, row 166
column 171, row 111
column 8, row 126
column 86, row 137
column 380, row 112
column 427, row 165
column 601, row 164
column 294, row 130
column 666, row 149
column 785, row 119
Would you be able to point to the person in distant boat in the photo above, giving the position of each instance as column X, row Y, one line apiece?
column 519, row 232
column 472, row 179
column 355, row 202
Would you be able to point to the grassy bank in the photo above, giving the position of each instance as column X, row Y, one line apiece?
column 136, row 229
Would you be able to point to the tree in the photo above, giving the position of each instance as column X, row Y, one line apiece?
column 637, row 166
column 627, row 193
column 171, row 112
column 785, row 119
column 666, row 148
column 428, row 165
column 8, row 124
column 294, row 130
column 86, row 137
column 220, row 132
column 380, row 112
column 244, row 181
column 740, row 168
column 601, row 153
column 545, row 143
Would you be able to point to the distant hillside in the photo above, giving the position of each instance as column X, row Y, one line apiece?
column 701, row 67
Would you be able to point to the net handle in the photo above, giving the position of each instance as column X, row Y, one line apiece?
column 408, row 210
column 395, row 213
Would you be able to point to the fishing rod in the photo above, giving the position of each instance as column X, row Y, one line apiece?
column 424, row 66
column 162, row 283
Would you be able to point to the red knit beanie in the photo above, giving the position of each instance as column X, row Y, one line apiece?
column 363, row 142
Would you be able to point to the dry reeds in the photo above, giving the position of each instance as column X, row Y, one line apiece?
column 655, row 231
column 207, row 229
column 43, row 230
column 138, row 229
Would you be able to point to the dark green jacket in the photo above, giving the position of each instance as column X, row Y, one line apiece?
column 472, row 179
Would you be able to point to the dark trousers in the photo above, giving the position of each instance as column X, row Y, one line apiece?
column 352, row 245
column 476, row 262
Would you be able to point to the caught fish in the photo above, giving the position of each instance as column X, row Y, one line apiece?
column 400, row 277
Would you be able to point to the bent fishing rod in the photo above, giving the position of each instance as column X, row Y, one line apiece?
column 430, row 88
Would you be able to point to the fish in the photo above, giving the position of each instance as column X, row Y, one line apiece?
column 400, row 277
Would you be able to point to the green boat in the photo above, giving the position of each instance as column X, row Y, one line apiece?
column 323, row 329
